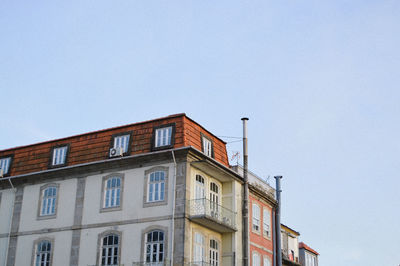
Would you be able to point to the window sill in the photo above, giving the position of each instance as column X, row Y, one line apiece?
column 111, row 209
column 46, row 217
column 154, row 203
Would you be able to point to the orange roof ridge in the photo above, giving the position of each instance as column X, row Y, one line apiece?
column 303, row 245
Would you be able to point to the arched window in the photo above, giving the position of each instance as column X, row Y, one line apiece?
column 214, row 253
column 214, row 200
column 110, row 248
column 155, row 247
column 199, row 187
column 112, row 192
column 43, row 253
column 49, row 200
column 156, row 186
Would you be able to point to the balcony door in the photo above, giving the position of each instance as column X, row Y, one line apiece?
column 214, row 200
column 200, row 196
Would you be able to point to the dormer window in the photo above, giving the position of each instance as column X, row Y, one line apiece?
column 207, row 146
column 163, row 136
column 59, row 155
column 5, row 164
column 121, row 144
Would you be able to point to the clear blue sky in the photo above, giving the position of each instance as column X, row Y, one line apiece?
column 318, row 79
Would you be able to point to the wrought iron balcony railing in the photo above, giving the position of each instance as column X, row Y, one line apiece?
column 205, row 208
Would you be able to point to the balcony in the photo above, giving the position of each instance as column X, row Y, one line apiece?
column 143, row 263
column 212, row 215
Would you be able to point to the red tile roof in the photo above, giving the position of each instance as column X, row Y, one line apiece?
column 94, row 146
column 302, row 245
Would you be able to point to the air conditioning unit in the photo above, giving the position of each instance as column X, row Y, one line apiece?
column 116, row 152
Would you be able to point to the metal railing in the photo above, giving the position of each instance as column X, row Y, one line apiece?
column 144, row 263
column 212, row 210
column 199, row 263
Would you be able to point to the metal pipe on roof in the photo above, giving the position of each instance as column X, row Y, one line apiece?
column 278, row 222
column 245, row 236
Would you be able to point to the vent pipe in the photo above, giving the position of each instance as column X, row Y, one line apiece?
column 278, row 222
column 245, row 197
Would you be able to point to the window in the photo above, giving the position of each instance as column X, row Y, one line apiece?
column 256, row 218
column 5, row 164
column 207, row 146
column 199, row 187
column 48, row 200
column 198, row 249
column 214, row 253
column 123, row 141
column 163, row 136
column 59, row 155
column 256, row 259
column 43, row 252
column 110, row 248
column 214, row 200
column 266, row 223
column 155, row 247
column 267, row 261
column 112, row 192
column 156, row 188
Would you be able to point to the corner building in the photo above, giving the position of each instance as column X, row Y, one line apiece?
column 158, row 192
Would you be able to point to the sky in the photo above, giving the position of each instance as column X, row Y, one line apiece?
column 319, row 81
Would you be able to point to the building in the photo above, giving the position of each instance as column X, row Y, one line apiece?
column 290, row 246
column 158, row 192
column 262, row 205
column 307, row 255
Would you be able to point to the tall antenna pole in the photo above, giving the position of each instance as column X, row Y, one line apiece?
column 245, row 197
column 278, row 221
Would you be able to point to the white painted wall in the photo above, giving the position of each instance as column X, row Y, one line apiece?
column 61, row 249
column 6, row 205
column 65, row 208
column 130, row 243
column 132, row 198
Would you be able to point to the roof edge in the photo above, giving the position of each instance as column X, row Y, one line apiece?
column 96, row 131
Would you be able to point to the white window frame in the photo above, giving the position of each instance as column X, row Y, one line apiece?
column 199, row 251
column 266, row 261
column 163, row 136
column 207, row 146
column 155, row 248
column 122, row 141
column 59, row 156
column 112, row 194
column 256, row 259
column 48, row 201
column 256, row 218
column 5, row 163
column 43, row 255
column 156, row 186
column 266, row 223
column 105, row 250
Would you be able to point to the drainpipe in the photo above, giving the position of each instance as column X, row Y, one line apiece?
column 278, row 222
column 274, row 234
column 173, row 210
column 10, row 221
column 245, row 197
